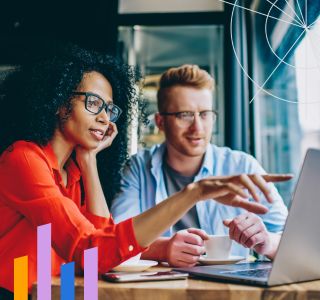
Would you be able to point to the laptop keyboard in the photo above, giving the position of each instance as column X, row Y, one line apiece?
column 251, row 272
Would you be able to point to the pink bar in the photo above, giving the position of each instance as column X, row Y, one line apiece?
column 91, row 274
column 44, row 262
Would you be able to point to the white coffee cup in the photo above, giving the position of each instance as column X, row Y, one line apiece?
column 133, row 260
column 218, row 246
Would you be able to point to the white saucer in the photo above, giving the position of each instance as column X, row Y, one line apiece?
column 139, row 267
column 230, row 260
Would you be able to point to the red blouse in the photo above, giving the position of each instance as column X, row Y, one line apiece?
column 31, row 194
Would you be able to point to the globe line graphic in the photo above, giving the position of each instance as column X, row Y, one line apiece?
column 298, row 21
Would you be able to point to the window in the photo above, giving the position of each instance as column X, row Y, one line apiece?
column 307, row 61
column 287, row 88
column 154, row 49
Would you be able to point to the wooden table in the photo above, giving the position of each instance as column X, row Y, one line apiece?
column 190, row 289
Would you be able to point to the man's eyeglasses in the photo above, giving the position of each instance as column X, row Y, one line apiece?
column 95, row 104
column 186, row 118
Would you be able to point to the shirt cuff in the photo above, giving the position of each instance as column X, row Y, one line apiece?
column 97, row 221
column 128, row 245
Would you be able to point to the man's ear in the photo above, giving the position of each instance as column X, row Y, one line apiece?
column 159, row 120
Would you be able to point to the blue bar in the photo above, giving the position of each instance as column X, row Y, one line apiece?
column 67, row 281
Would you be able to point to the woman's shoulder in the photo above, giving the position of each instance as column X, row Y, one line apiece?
column 23, row 146
column 21, row 151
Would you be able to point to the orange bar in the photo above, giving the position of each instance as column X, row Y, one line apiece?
column 21, row 278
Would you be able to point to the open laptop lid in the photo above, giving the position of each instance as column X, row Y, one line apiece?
column 298, row 256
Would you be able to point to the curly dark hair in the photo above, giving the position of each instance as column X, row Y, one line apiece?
column 33, row 93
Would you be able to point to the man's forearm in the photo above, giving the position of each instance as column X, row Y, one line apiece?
column 157, row 250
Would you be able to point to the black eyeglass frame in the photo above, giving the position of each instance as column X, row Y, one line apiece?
column 104, row 106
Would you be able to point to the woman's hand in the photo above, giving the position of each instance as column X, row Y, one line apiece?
column 85, row 156
column 228, row 190
column 108, row 138
column 86, row 159
column 235, row 190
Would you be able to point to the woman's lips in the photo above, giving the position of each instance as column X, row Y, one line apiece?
column 97, row 133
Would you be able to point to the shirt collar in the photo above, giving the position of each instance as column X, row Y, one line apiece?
column 47, row 149
column 73, row 171
column 157, row 155
column 207, row 163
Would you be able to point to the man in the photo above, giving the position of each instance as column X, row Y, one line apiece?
column 186, row 118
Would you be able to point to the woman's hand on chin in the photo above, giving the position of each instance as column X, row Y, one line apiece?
column 108, row 138
column 86, row 155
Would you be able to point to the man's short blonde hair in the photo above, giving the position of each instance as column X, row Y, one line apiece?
column 185, row 75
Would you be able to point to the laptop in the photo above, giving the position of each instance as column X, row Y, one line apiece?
column 298, row 255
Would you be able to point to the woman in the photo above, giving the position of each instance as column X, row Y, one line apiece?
column 57, row 116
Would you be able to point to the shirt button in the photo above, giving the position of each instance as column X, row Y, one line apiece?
column 130, row 248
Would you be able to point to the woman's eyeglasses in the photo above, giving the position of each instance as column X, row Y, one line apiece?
column 95, row 104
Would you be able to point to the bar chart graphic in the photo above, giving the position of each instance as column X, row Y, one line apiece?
column 67, row 291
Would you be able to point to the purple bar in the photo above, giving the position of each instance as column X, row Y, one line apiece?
column 44, row 262
column 91, row 274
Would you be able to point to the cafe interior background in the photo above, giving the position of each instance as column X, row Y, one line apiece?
column 264, row 56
